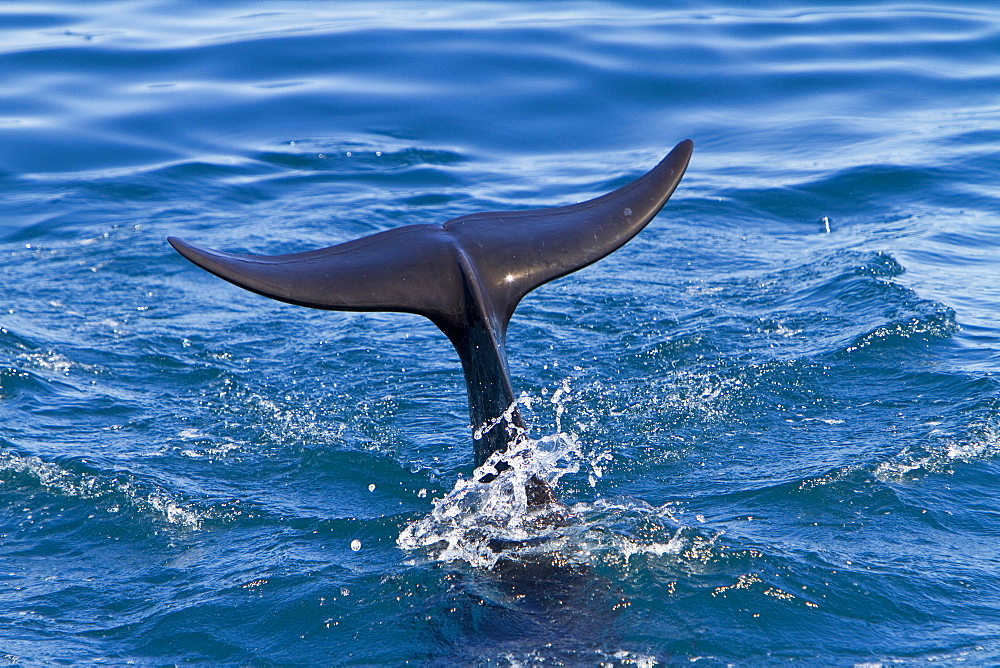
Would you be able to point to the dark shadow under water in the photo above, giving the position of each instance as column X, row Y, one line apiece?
column 525, row 611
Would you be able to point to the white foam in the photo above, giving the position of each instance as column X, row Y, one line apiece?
column 477, row 514
column 489, row 517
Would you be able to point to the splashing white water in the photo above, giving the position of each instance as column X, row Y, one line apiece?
column 490, row 516
column 478, row 516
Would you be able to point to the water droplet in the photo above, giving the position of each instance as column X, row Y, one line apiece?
column 422, row 493
column 355, row 545
column 371, row 487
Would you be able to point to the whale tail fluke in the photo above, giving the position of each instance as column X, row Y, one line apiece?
column 466, row 276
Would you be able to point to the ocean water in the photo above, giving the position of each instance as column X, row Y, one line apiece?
column 774, row 416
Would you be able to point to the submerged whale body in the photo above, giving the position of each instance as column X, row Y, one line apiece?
column 467, row 276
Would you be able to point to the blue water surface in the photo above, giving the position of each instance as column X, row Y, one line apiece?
column 785, row 391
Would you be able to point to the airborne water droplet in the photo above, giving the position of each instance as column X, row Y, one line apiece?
column 355, row 545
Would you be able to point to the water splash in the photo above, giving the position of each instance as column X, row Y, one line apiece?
column 477, row 520
column 490, row 517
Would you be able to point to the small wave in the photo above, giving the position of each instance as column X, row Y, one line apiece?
column 53, row 362
column 26, row 355
column 204, row 446
column 582, row 656
column 981, row 442
column 939, row 323
column 82, row 485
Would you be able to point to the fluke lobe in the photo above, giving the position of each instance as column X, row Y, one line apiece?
column 467, row 276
